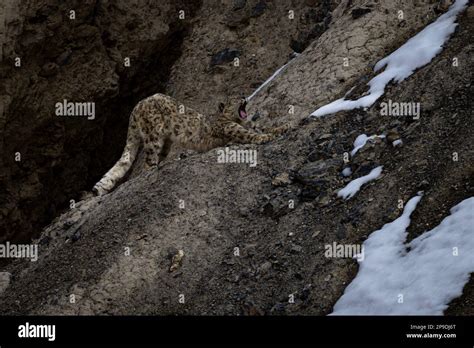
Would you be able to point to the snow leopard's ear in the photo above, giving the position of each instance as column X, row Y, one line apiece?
column 221, row 107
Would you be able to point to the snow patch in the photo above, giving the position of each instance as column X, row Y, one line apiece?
column 275, row 74
column 347, row 171
column 354, row 186
column 361, row 140
column 427, row 277
column 397, row 142
column 414, row 54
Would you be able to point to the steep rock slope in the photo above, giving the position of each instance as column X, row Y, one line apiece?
column 247, row 250
column 72, row 50
column 236, row 45
column 82, row 59
column 362, row 32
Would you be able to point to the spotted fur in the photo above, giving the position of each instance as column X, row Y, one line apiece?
column 156, row 124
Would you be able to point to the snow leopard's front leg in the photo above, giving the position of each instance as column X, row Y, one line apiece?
column 237, row 133
column 277, row 131
column 153, row 150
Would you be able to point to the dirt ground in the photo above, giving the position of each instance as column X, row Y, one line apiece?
column 250, row 241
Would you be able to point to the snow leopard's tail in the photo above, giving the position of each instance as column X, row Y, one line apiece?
column 123, row 165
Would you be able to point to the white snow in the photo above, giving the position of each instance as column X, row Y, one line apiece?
column 347, row 171
column 414, row 54
column 361, row 140
column 275, row 74
column 418, row 278
column 397, row 142
column 354, row 186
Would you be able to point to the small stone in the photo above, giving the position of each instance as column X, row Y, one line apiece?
column 45, row 240
column 312, row 173
column 470, row 12
column 392, row 135
column 281, row 179
column 54, row 21
column 85, row 195
column 87, row 31
column 5, row 278
column 325, row 136
column 76, row 216
column 76, row 236
column 177, row 260
column 324, row 201
column 251, row 310
column 443, row 6
column 264, row 267
column 359, row 12
column 239, row 4
column 259, row 8
column 296, row 248
column 49, row 69
column 63, row 58
column 318, row 155
column 226, row 55
column 424, row 185
column 279, row 308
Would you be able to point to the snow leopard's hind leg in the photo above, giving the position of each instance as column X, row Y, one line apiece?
column 120, row 169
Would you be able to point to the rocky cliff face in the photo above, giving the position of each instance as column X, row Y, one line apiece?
column 343, row 57
column 73, row 50
column 78, row 51
column 251, row 236
column 237, row 45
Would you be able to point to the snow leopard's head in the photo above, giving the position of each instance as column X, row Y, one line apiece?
column 241, row 111
column 234, row 110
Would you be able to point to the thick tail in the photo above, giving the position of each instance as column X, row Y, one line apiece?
column 123, row 165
